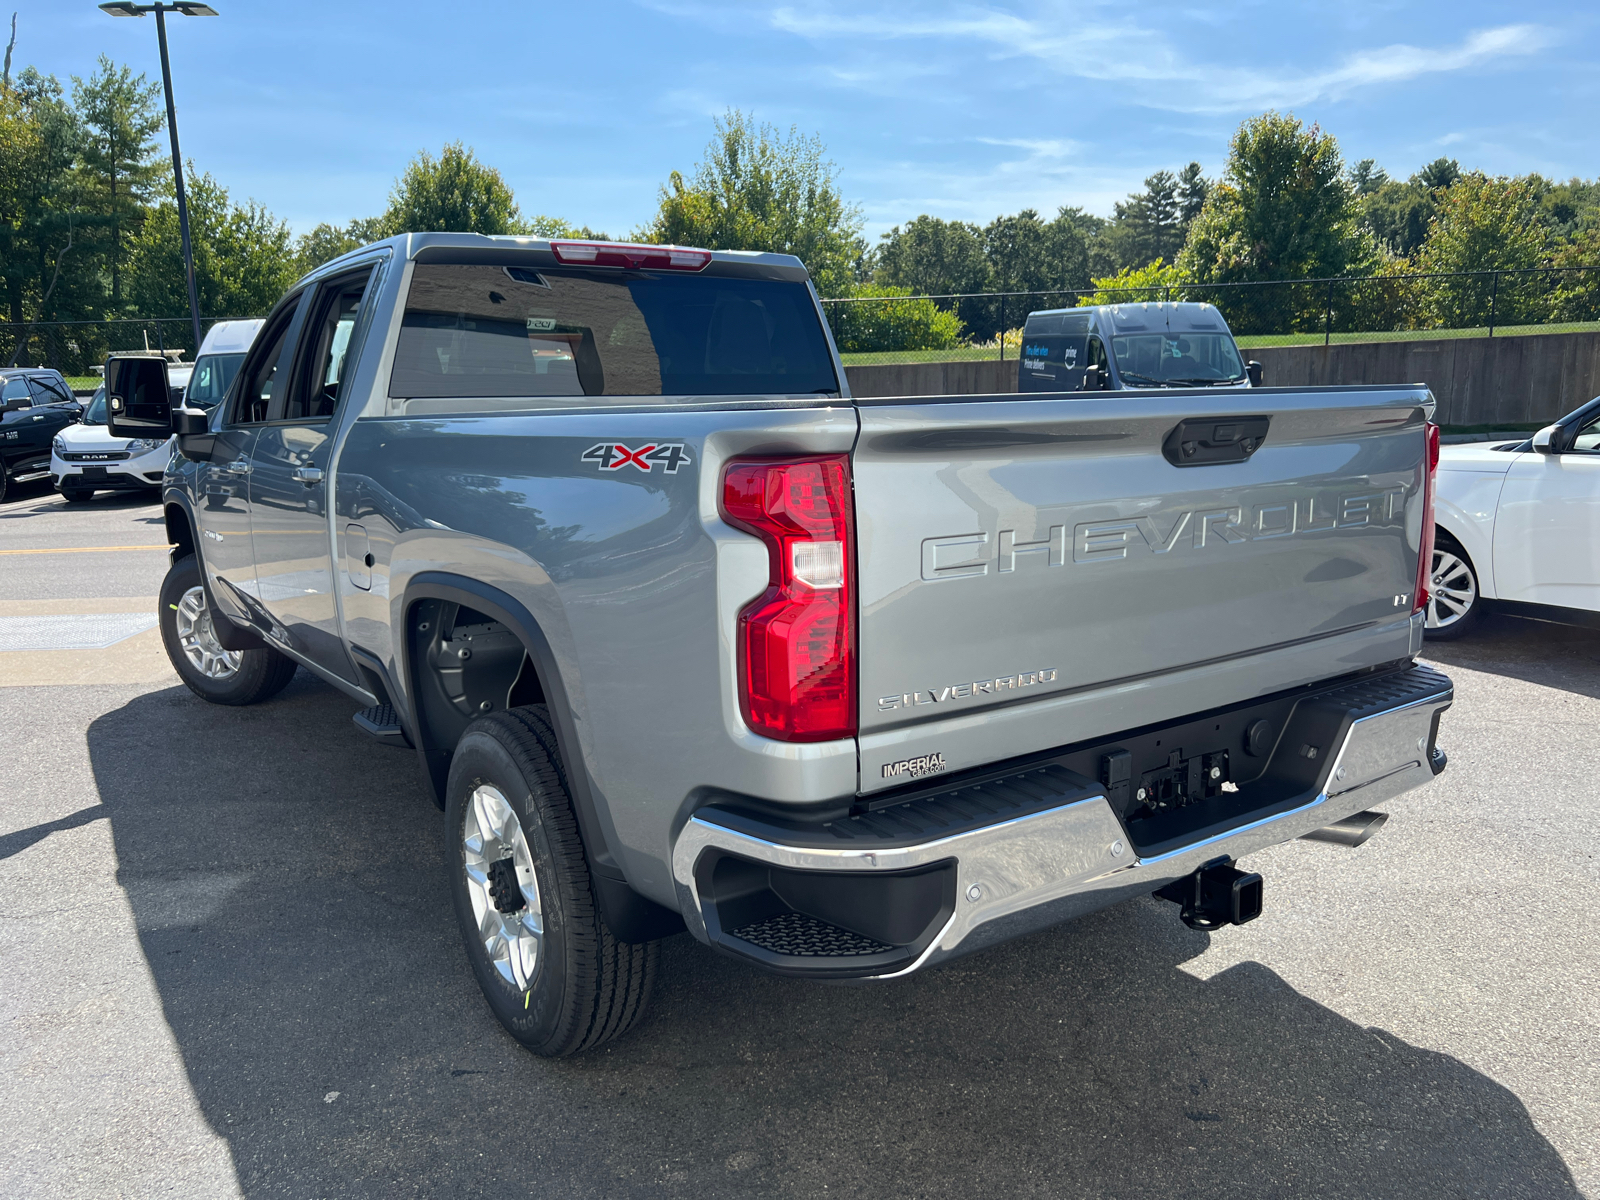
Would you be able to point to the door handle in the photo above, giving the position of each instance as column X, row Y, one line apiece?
column 38, row 418
column 239, row 466
column 307, row 475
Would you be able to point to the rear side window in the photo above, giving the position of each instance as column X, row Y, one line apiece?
column 1053, row 344
column 492, row 332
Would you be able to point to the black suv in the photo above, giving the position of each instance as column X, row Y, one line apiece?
column 35, row 405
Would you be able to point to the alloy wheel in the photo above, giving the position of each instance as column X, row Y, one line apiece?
column 1453, row 590
column 503, row 887
column 199, row 639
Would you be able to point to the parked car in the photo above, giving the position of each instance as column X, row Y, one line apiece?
column 35, row 405
column 1518, row 528
column 1131, row 347
column 683, row 636
column 85, row 458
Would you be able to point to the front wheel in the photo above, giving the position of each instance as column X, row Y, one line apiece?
column 548, row 966
column 1455, row 602
column 210, row 670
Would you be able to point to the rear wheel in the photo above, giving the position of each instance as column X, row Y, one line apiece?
column 210, row 670
column 548, row 966
column 1455, row 601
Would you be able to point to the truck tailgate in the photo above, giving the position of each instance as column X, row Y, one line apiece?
column 1035, row 572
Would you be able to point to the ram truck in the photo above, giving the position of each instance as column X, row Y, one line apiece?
column 683, row 636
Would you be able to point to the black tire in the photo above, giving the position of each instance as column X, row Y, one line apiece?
column 586, row 987
column 1454, row 567
column 260, row 675
column 77, row 495
column 3, row 480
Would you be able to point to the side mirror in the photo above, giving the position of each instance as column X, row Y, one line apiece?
column 138, row 398
column 1253, row 369
column 1547, row 439
column 1094, row 379
column 196, row 442
column 14, row 406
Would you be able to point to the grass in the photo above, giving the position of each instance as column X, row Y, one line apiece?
column 1253, row 341
column 1246, row 342
column 83, row 383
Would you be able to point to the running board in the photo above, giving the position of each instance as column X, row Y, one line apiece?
column 383, row 723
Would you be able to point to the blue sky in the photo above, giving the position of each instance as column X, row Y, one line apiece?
column 960, row 110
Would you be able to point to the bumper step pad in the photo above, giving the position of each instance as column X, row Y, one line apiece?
column 802, row 936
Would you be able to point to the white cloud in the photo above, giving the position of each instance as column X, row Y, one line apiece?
column 1090, row 46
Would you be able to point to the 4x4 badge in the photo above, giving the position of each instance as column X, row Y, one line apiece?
column 613, row 456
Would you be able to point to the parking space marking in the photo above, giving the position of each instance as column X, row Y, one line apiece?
column 139, row 658
column 71, row 631
column 87, row 549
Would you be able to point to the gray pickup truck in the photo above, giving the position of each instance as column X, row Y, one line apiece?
column 684, row 636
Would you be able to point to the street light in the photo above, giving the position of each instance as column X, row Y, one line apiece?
column 126, row 8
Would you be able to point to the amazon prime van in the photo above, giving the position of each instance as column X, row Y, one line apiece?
column 1131, row 346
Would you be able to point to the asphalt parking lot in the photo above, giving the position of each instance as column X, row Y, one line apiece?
column 230, row 969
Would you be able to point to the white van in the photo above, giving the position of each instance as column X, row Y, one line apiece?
column 218, row 361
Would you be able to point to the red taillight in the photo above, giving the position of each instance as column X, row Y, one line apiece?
column 797, row 671
column 1425, row 560
column 622, row 254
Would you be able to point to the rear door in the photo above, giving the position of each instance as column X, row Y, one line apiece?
column 222, row 484
column 289, row 484
column 1037, row 572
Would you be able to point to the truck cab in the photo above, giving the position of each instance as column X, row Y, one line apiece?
column 1131, row 347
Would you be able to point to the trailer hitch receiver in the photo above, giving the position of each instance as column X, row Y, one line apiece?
column 1217, row 894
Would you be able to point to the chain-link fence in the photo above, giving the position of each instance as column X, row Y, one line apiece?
column 900, row 329
column 76, row 348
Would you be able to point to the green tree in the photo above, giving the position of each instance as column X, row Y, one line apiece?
column 1031, row 255
column 454, row 192
column 1485, row 223
column 1151, row 283
column 1367, row 177
column 42, row 245
column 931, row 257
column 327, row 241
column 119, row 160
column 1193, row 188
column 882, row 320
column 1282, row 210
column 758, row 189
column 243, row 256
column 1577, row 292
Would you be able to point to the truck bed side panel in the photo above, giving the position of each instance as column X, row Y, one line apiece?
column 631, row 574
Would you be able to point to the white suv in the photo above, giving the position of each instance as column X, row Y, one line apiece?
column 85, row 458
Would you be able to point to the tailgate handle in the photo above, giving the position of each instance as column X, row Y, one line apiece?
column 1204, row 441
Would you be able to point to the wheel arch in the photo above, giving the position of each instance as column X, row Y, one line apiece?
column 1475, row 539
column 631, row 916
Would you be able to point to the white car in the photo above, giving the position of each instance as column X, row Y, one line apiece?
column 85, row 458
column 1517, row 528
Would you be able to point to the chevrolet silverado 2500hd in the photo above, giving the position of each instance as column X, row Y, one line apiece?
column 682, row 635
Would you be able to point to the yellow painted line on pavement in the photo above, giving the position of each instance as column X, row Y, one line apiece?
column 87, row 549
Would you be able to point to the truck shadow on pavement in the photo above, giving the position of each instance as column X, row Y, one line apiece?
column 286, row 877
column 1558, row 656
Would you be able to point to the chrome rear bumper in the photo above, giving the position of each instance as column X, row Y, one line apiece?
column 1021, row 874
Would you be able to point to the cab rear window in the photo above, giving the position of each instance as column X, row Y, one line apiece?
column 511, row 332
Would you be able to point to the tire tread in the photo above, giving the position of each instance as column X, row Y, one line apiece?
column 612, row 980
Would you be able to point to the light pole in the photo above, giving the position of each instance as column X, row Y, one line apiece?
column 126, row 8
